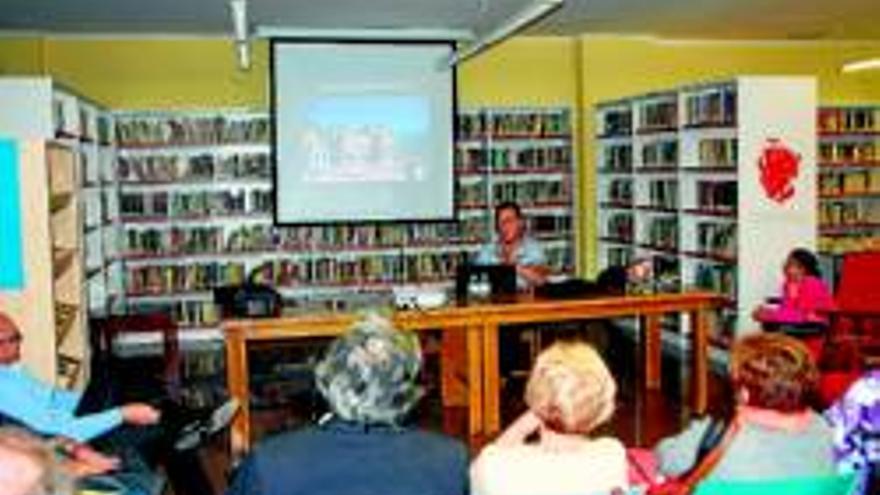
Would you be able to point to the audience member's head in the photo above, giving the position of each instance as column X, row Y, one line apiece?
column 10, row 340
column 773, row 371
column 370, row 374
column 801, row 262
column 570, row 388
column 27, row 466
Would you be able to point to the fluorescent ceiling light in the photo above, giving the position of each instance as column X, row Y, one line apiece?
column 365, row 34
column 529, row 14
column 860, row 65
column 238, row 11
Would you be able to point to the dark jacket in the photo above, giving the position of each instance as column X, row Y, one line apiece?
column 340, row 458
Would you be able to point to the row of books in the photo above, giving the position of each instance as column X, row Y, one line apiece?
column 523, row 124
column 716, row 278
column 620, row 227
column 618, row 256
column 860, row 151
column 531, row 158
column 658, row 115
column 544, row 225
column 199, row 239
column 717, row 152
column 621, row 191
column 660, row 154
column 834, row 214
column 854, row 182
column 616, row 123
column 89, row 124
column 199, row 203
column 618, row 158
column 718, row 239
column 197, row 168
column 662, row 233
column 716, row 196
column 364, row 270
column 169, row 279
column 532, row 192
column 663, row 194
column 849, row 120
column 175, row 130
column 711, row 107
column 854, row 241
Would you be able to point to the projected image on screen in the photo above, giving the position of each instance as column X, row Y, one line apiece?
column 365, row 139
column 363, row 131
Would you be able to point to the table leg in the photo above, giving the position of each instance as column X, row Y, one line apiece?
column 454, row 367
column 653, row 351
column 491, row 379
column 238, row 381
column 475, row 381
column 700, row 365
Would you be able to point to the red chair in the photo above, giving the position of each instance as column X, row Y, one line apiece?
column 106, row 330
column 853, row 339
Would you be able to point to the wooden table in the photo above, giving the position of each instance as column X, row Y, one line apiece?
column 476, row 327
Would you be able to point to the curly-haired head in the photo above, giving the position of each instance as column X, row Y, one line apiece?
column 776, row 371
column 369, row 375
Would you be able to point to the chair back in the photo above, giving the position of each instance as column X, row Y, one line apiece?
column 826, row 485
column 857, row 289
column 106, row 330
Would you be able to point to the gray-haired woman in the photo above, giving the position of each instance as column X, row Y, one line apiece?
column 369, row 379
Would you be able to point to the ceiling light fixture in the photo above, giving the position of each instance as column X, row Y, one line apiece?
column 860, row 65
column 528, row 15
column 238, row 13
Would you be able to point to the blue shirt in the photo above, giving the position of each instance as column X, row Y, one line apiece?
column 49, row 410
column 528, row 253
column 351, row 459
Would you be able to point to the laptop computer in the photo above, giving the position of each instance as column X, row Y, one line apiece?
column 500, row 278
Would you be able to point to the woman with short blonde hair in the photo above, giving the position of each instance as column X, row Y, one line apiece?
column 570, row 389
column 570, row 392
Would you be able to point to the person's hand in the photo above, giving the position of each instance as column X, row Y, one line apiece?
column 137, row 413
column 760, row 313
column 523, row 427
column 80, row 460
column 87, row 461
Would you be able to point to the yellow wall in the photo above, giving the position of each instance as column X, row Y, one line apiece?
column 20, row 56
column 575, row 72
column 160, row 73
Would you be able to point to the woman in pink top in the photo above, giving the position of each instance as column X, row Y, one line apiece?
column 805, row 297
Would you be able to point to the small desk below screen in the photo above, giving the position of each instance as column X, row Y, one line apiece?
column 470, row 345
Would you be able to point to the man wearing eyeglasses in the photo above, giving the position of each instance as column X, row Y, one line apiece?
column 50, row 411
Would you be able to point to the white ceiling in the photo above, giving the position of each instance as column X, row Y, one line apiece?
column 705, row 19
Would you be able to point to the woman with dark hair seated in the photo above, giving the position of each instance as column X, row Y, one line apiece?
column 369, row 379
column 776, row 435
column 804, row 297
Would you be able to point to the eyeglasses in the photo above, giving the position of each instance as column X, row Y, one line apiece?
column 12, row 339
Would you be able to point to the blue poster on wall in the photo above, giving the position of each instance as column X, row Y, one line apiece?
column 11, row 266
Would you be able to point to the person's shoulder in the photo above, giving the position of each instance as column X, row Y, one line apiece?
column 437, row 441
column 303, row 441
column 815, row 282
column 608, row 445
